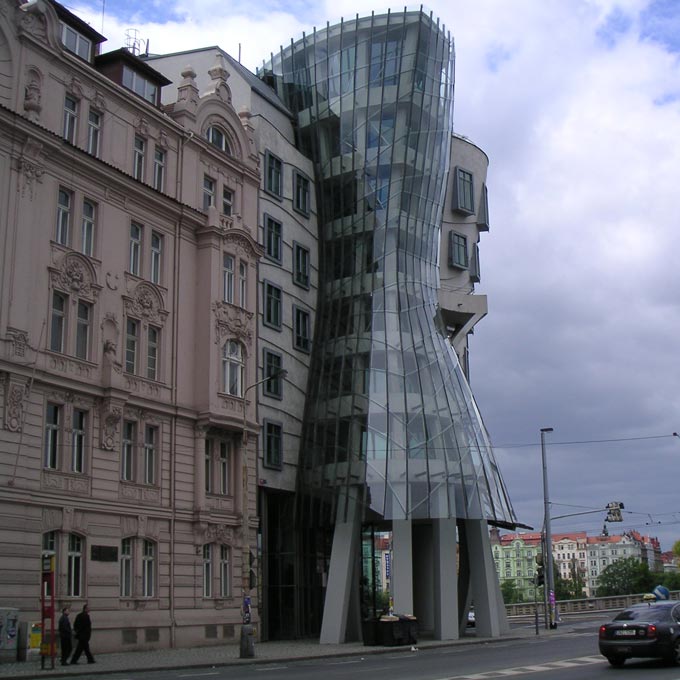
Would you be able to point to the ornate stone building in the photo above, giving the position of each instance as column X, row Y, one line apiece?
column 128, row 272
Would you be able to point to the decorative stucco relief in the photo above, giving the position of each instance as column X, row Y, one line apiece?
column 109, row 421
column 19, row 340
column 31, row 166
column 15, row 393
column 146, row 303
column 75, row 275
column 33, row 93
column 32, row 21
column 232, row 322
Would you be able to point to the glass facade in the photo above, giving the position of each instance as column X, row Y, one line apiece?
column 390, row 423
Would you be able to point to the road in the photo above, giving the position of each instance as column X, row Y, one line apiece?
column 570, row 653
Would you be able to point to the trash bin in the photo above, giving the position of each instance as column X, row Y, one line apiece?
column 247, row 641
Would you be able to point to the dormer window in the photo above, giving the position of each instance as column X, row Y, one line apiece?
column 76, row 42
column 139, row 85
column 218, row 139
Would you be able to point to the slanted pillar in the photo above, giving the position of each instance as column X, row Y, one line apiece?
column 490, row 616
column 341, row 576
column 445, row 579
column 402, row 566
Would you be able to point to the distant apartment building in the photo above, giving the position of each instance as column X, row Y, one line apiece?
column 575, row 554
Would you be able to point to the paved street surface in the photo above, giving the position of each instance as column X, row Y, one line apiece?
column 570, row 652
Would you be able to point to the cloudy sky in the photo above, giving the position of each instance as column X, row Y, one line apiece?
column 577, row 103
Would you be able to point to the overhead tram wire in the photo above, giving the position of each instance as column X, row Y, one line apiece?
column 589, row 441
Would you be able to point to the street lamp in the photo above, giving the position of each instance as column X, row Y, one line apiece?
column 550, row 577
column 245, row 563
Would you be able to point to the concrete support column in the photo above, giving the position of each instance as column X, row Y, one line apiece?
column 490, row 617
column 402, row 566
column 445, row 579
column 341, row 576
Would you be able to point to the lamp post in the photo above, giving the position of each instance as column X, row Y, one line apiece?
column 550, row 577
column 245, row 563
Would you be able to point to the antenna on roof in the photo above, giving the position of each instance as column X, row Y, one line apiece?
column 133, row 43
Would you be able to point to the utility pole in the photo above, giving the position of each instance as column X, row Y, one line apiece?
column 550, row 577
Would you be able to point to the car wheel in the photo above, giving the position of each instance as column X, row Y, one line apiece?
column 616, row 661
column 674, row 656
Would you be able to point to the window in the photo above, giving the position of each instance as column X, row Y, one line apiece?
column 83, row 324
column 242, row 283
column 150, row 444
column 52, row 425
column 64, row 217
column 139, row 85
column 228, row 278
column 208, row 465
column 208, row 192
column 152, row 341
column 273, row 176
column 70, row 119
column 131, row 343
column 458, row 250
column 385, row 57
column 272, row 305
column 135, row 248
column 58, row 321
column 272, row 238
column 138, row 153
column 273, row 449
column 232, row 368
column 78, row 440
column 302, row 332
column 207, row 569
column 463, row 194
column 128, row 461
column 218, row 139
column 225, row 571
column 223, row 466
column 301, row 189
column 75, row 566
column 380, row 132
column 49, row 549
column 126, row 567
column 148, row 568
column 227, row 201
column 156, row 253
column 273, row 363
column 218, row 461
column 94, row 127
column 75, row 42
column 301, row 265
column 87, row 228
column 159, row 169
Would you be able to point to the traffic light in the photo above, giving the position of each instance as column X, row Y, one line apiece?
column 540, row 575
column 614, row 512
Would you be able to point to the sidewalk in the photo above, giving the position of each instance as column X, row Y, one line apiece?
column 222, row 655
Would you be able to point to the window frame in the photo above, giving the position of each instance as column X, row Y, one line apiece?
column 272, row 307
column 58, row 321
column 64, row 217
column 302, row 193
column 156, row 264
column 126, row 571
column 82, row 47
column 53, row 436
column 273, row 175
column 139, row 158
column 301, row 274
column 459, row 255
column 149, row 555
column 227, row 201
column 228, row 274
column 88, row 227
column 274, row 386
column 159, row 159
column 219, row 462
column 135, row 248
column 83, row 325
column 273, row 431
column 463, row 191
column 94, row 131
column 302, row 317
column 233, row 365
column 75, row 564
column 209, row 192
column 70, row 119
column 273, row 239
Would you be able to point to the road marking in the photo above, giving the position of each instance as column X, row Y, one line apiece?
column 525, row 670
column 270, row 668
column 196, row 675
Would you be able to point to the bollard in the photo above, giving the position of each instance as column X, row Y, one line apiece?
column 247, row 641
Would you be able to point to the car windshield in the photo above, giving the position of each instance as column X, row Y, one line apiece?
column 643, row 614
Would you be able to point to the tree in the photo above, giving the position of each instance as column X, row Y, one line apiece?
column 510, row 592
column 625, row 577
column 676, row 550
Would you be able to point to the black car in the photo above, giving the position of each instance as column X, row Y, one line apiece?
column 650, row 630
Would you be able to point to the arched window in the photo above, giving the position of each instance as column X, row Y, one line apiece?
column 218, row 138
column 232, row 368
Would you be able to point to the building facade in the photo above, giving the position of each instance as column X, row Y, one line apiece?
column 232, row 348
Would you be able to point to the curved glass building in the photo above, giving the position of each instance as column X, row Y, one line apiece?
column 392, row 431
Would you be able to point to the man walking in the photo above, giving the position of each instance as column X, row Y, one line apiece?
column 82, row 628
column 65, row 635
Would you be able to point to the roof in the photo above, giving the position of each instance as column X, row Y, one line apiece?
column 72, row 20
column 132, row 60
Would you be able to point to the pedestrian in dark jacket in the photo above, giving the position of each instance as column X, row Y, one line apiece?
column 82, row 627
column 65, row 635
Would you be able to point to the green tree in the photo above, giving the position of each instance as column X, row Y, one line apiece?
column 625, row 577
column 676, row 550
column 509, row 591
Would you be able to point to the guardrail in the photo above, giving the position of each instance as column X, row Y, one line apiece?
column 585, row 605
